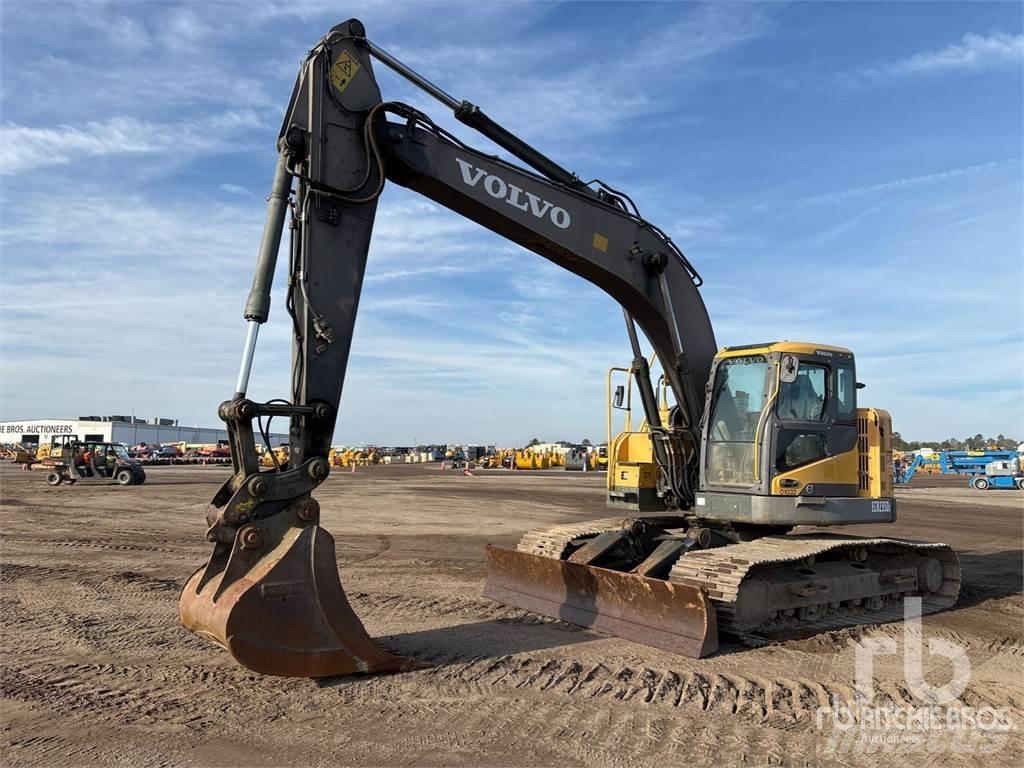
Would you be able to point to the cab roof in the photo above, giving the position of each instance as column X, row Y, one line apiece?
column 798, row 347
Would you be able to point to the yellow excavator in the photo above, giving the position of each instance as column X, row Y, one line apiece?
column 274, row 457
column 742, row 446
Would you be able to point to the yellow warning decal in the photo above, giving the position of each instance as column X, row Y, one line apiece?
column 343, row 70
column 601, row 242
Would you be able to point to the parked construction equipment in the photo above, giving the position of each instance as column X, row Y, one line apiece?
column 17, row 453
column 953, row 463
column 1005, row 474
column 274, row 457
column 756, row 439
column 971, row 462
column 903, row 474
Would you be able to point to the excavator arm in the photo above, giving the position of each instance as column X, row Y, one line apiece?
column 270, row 592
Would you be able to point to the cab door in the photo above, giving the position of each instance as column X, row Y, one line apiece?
column 815, row 427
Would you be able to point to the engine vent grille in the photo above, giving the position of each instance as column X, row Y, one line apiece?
column 863, row 455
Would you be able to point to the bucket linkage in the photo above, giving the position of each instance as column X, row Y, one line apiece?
column 270, row 593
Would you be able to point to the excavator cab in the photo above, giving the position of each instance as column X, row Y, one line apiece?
column 782, row 423
column 785, row 444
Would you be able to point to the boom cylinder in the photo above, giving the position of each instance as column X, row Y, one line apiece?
column 248, row 351
column 257, row 306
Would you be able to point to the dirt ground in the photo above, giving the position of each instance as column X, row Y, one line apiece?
column 95, row 669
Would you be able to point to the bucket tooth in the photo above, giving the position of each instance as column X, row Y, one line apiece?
column 281, row 609
column 673, row 617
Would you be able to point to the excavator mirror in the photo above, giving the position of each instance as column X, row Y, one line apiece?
column 788, row 367
column 620, row 395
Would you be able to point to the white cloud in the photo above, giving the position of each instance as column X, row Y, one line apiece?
column 572, row 92
column 23, row 148
column 236, row 189
column 402, row 274
column 697, row 226
column 908, row 182
column 974, row 53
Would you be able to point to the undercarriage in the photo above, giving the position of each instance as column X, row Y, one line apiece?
column 763, row 584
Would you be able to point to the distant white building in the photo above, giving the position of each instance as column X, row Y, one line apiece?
column 551, row 448
column 114, row 429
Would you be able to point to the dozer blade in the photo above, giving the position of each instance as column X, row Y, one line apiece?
column 282, row 610
column 655, row 612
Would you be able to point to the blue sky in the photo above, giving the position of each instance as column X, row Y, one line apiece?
column 844, row 173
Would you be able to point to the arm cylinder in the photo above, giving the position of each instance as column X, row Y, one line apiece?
column 471, row 115
column 257, row 306
column 413, row 76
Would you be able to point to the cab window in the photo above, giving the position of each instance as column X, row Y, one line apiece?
column 796, row 448
column 740, row 390
column 803, row 399
column 846, row 393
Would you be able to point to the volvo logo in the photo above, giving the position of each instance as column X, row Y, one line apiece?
column 499, row 189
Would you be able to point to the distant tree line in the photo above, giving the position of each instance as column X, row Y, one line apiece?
column 976, row 443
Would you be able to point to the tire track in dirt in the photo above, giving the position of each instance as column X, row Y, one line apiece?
column 50, row 628
column 778, row 702
column 1004, row 644
column 350, row 551
column 84, row 613
column 99, row 581
column 445, row 606
column 52, row 749
column 86, row 693
column 606, row 731
column 783, row 703
column 116, row 545
column 10, row 572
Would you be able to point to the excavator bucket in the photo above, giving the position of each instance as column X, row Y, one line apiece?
column 655, row 612
column 281, row 609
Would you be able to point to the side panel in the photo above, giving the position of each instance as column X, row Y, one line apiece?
column 832, row 476
column 632, row 475
column 793, row 510
column 874, row 447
